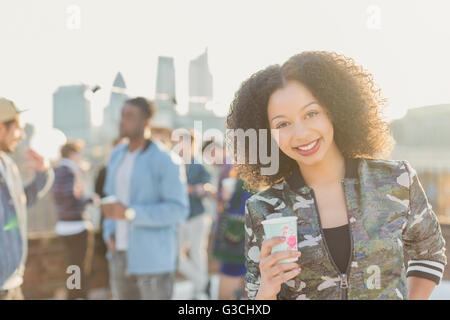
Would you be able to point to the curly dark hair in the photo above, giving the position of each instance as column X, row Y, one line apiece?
column 347, row 92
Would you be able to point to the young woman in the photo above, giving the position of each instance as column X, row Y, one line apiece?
column 357, row 213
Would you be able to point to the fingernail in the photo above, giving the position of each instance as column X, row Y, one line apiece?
column 283, row 238
column 298, row 254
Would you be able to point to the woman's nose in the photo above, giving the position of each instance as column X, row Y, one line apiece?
column 300, row 131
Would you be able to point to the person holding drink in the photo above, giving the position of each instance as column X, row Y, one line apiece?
column 15, row 199
column 146, row 199
column 357, row 213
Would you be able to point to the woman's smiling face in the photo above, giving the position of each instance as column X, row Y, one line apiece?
column 305, row 132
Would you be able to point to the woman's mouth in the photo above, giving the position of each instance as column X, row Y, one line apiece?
column 308, row 149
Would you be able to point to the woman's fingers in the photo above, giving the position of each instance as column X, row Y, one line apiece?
column 267, row 245
column 273, row 274
column 280, row 255
column 281, row 268
column 286, row 276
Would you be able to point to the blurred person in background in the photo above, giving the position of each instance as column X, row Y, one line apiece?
column 146, row 200
column 224, row 167
column 163, row 135
column 194, row 233
column 14, row 201
column 212, row 152
column 98, row 187
column 224, row 174
column 229, row 243
column 75, row 231
column 214, row 161
column 101, row 175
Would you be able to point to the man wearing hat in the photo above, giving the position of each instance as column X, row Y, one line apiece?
column 14, row 200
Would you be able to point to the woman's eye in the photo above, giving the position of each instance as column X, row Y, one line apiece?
column 311, row 114
column 281, row 125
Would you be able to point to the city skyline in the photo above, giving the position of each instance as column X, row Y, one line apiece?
column 404, row 44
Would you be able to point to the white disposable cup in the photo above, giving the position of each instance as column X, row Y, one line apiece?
column 228, row 185
column 282, row 227
column 109, row 199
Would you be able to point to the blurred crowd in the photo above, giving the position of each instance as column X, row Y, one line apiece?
column 162, row 208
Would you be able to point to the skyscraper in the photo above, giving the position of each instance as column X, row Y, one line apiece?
column 200, row 84
column 165, row 99
column 200, row 92
column 72, row 111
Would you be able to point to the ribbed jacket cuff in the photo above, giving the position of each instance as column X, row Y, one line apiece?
column 427, row 269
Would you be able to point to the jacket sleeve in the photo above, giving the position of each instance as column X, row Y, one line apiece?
column 253, row 242
column 202, row 177
column 39, row 187
column 109, row 229
column 173, row 206
column 422, row 235
column 205, row 176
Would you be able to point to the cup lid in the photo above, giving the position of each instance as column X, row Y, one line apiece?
column 279, row 220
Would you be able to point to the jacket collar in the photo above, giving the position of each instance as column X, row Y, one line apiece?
column 71, row 165
column 146, row 145
column 296, row 181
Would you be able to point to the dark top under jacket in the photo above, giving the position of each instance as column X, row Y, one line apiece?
column 338, row 242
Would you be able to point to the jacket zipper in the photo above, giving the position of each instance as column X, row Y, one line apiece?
column 343, row 276
column 344, row 280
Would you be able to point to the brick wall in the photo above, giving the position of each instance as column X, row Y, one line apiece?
column 45, row 275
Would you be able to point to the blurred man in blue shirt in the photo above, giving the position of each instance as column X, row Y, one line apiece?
column 147, row 198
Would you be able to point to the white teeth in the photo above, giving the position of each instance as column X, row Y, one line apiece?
column 308, row 147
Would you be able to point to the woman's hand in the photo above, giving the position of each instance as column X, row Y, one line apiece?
column 273, row 274
column 420, row 288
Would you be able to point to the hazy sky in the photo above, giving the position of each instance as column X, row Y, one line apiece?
column 405, row 44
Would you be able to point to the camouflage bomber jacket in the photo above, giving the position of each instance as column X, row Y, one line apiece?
column 388, row 215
